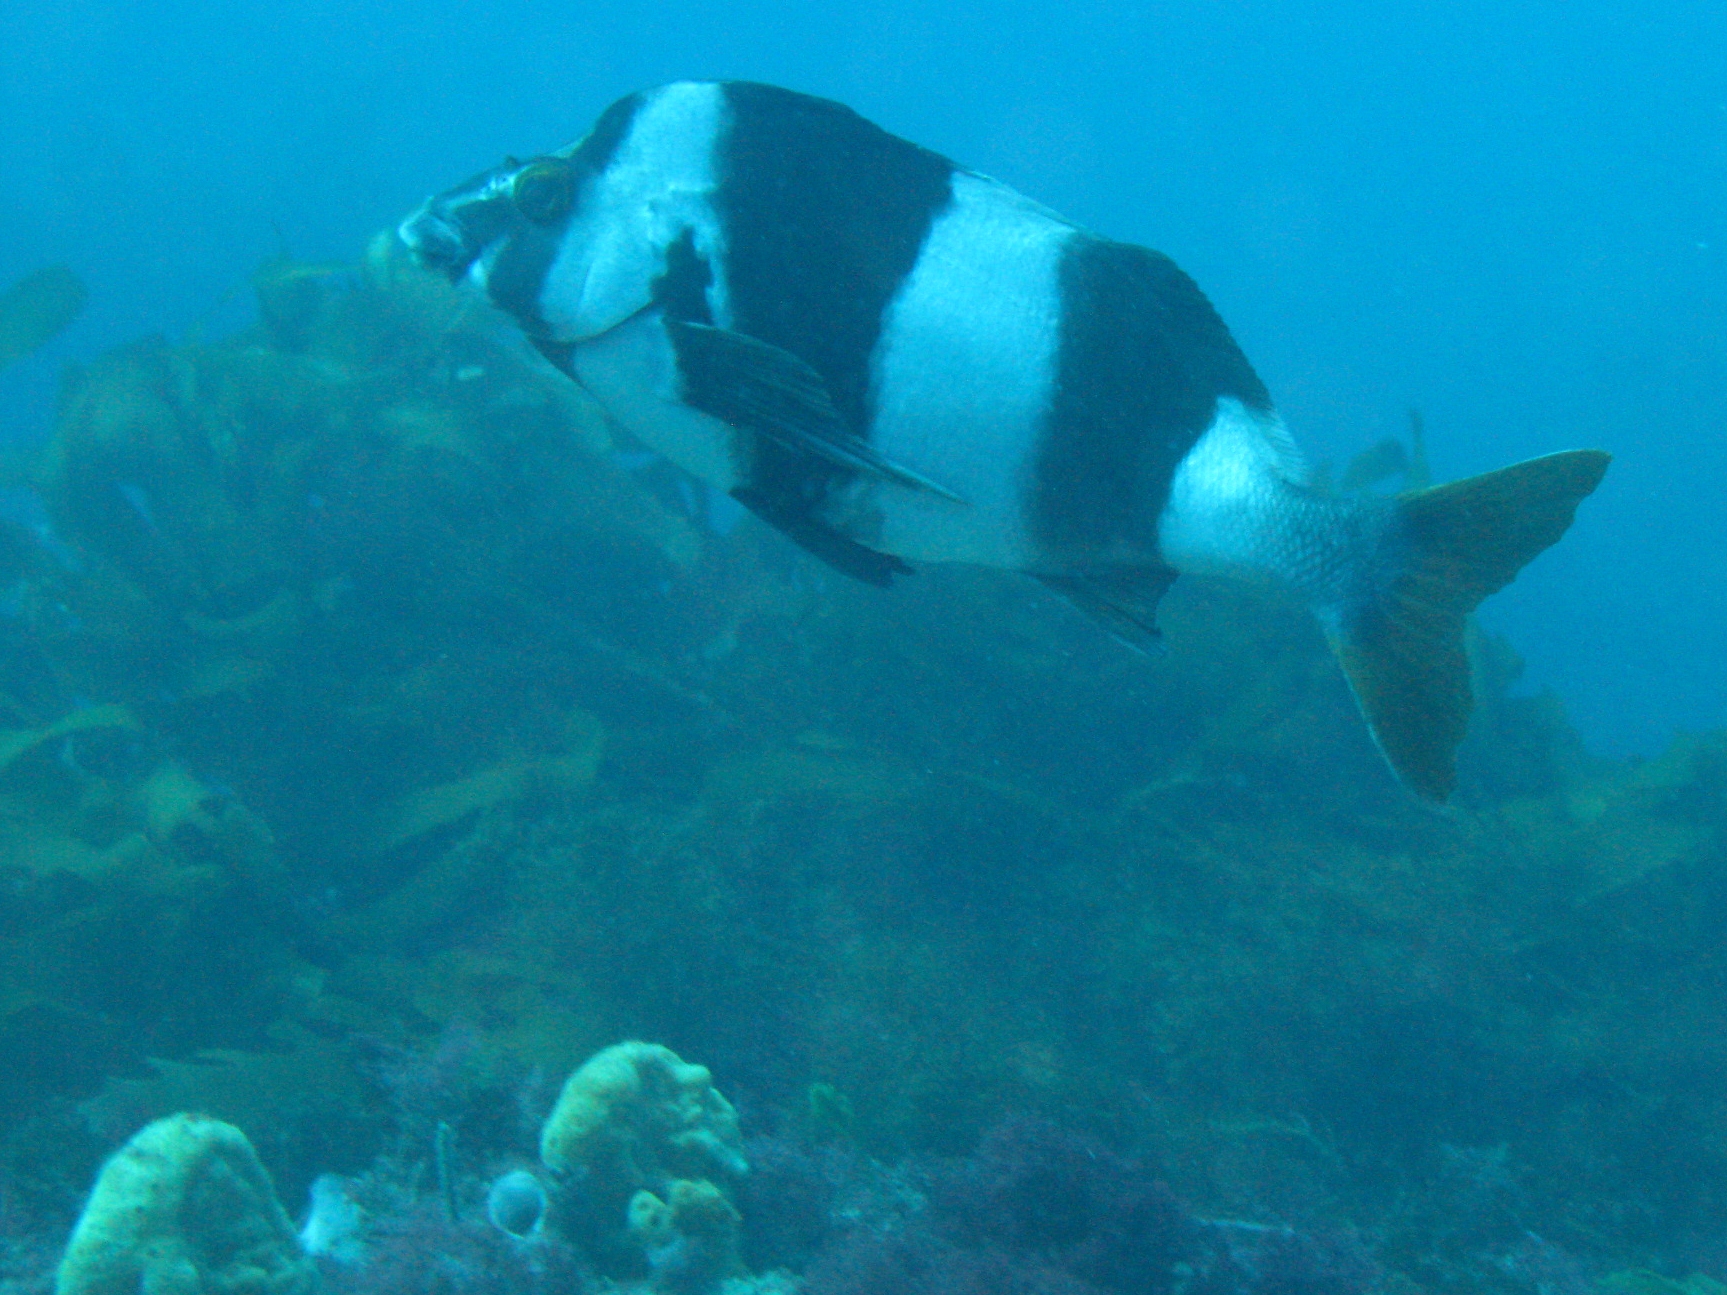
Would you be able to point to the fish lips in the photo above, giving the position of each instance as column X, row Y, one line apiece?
column 437, row 243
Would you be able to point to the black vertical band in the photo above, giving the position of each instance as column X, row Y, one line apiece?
column 824, row 214
column 1142, row 361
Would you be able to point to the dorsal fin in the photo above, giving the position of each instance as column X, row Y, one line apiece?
column 1286, row 456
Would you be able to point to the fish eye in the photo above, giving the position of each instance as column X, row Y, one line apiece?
column 544, row 190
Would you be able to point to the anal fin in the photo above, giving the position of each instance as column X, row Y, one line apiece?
column 1123, row 599
column 764, row 389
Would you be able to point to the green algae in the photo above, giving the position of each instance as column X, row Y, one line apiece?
column 828, row 1113
column 429, row 808
column 15, row 742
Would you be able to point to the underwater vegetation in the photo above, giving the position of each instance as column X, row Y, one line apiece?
column 383, row 737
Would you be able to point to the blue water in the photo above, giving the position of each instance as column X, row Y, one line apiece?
column 1510, row 217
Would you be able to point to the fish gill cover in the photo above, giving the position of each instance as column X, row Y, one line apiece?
column 384, row 737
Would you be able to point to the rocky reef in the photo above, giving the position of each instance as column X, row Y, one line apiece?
column 186, row 1207
column 382, row 735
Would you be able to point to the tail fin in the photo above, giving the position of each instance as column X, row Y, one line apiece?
column 1402, row 647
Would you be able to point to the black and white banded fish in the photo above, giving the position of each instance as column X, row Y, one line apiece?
column 895, row 360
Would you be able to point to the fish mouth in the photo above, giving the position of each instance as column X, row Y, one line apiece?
column 437, row 244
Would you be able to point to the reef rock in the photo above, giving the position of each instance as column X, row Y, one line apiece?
column 184, row 1208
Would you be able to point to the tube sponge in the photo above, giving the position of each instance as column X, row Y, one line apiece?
column 184, row 1208
column 636, row 1115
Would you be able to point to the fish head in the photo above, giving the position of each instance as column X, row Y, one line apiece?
column 462, row 231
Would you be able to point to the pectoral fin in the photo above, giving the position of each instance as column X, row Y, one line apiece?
column 761, row 388
column 817, row 538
